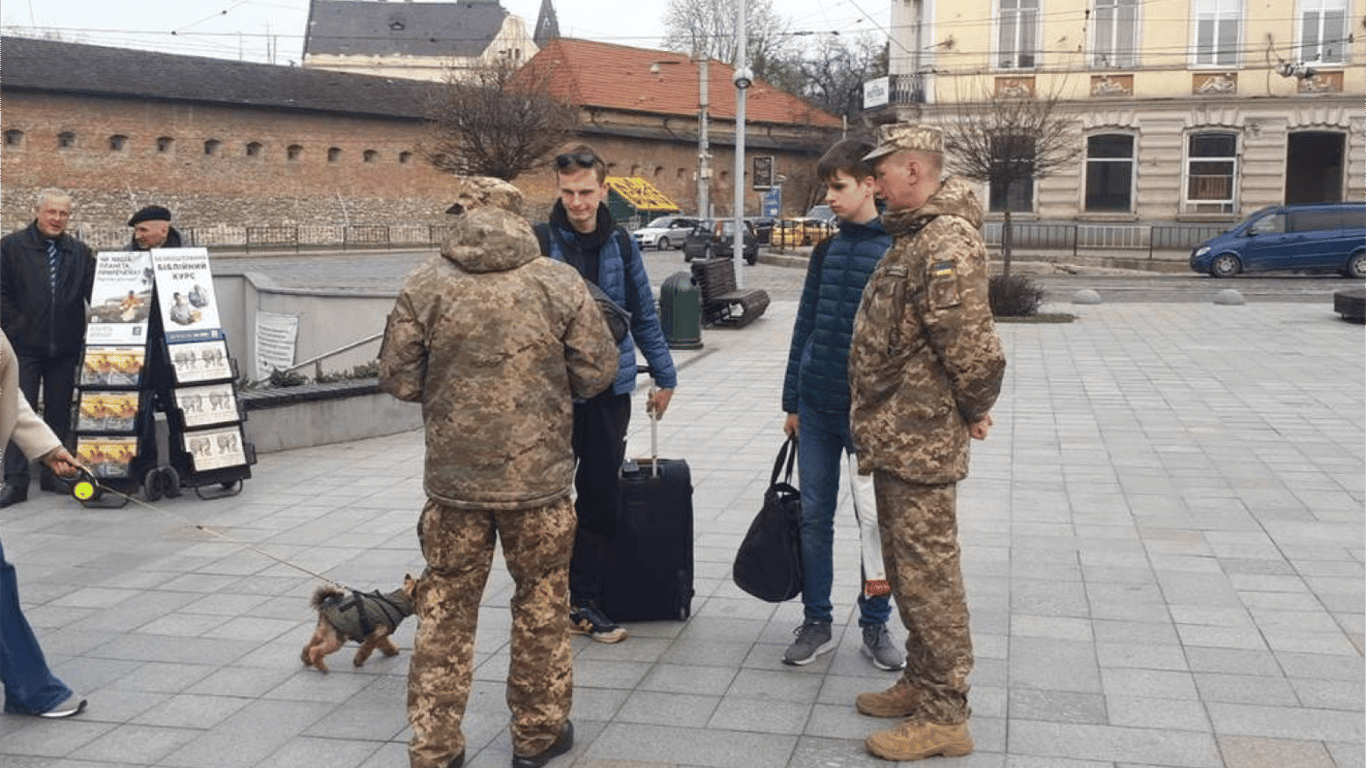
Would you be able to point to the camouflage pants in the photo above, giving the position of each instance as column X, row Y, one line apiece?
column 919, row 526
column 458, row 545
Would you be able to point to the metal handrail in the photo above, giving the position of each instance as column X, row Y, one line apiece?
column 316, row 360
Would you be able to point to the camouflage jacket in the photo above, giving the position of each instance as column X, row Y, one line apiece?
column 925, row 361
column 495, row 341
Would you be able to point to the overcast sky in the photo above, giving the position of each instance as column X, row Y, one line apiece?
column 262, row 30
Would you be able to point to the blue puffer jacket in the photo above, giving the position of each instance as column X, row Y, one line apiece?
column 625, row 282
column 818, row 363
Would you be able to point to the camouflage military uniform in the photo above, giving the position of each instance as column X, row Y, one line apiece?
column 924, row 364
column 495, row 342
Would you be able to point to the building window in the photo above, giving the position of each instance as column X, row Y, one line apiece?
column 1110, row 173
column 1018, row 34
column 404, row 157
column 117, row 142
column 211, row 146
column 370, row 156
column 1013, row 157
column 1116, row 42
column 254, row 149
column 333, row 154
column 659, row 172
column 293, row 151
column 1218, row 26
column 1323, row 31
column 66, row 140
column 1211, row 168
column 165, row 144
column 14, row 138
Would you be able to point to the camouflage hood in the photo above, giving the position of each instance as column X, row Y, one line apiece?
column 491, row 240
column 953, row 198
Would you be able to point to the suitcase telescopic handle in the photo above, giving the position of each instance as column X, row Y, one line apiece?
column 654, row 421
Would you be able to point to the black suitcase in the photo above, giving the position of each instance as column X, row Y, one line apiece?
column 649, row 565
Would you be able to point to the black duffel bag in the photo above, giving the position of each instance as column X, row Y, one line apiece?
column 769, row 563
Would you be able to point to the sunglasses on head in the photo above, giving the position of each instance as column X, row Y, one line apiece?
column 581, row 159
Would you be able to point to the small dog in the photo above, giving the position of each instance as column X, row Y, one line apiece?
column 367, row 618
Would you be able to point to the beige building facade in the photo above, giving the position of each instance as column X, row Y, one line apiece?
column 1183, row 111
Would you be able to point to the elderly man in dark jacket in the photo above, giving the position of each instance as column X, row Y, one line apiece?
column 45, row 281
column 496, row 343
column 152, row 229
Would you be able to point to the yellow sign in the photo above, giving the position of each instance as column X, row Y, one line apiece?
column 641, row 194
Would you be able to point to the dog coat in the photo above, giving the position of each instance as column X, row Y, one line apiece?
column 356, row 615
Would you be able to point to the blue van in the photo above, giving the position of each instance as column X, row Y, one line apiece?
column 1323, row 237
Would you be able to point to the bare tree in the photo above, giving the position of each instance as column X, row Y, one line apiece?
column 831, row 72
column 707, row 28
column 1008, row 140
column 498, row 121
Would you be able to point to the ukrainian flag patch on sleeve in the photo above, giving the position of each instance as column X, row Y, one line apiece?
column 941, row 269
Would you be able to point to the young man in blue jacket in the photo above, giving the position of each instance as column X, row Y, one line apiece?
column 816, row 400
column 583, row 233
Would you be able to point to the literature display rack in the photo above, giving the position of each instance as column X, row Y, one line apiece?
column 155, row 346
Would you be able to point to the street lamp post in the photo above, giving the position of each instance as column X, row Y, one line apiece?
column 743, row 78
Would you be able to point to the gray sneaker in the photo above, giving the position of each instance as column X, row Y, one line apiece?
column 813, row 639
column 878, row 646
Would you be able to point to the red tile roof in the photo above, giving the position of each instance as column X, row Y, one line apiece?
column 605, row 75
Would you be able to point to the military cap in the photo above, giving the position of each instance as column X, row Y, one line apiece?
column 150, row 213
column 898, row 137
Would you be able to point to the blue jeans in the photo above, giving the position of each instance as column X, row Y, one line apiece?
column 822, row 439
column 30, row 687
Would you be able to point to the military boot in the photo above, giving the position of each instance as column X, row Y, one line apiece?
column 916, row 740
column 901, row 700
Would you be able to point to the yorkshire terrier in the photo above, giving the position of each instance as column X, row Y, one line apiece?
column 367, row 618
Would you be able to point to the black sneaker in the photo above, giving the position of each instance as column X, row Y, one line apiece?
column 590, row 620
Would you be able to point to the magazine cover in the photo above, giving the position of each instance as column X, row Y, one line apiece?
column 189, row 310
column 200, row 361
column 215, row 448
column 106, row 411
column 112, row 366
column 121, row 299
column 107, row 456
column 210, row 404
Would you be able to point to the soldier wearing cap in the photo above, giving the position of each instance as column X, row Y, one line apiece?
column 152, row 229
column 925, row 368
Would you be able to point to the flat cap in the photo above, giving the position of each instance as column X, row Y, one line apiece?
column 899, row 137
column 150, row 213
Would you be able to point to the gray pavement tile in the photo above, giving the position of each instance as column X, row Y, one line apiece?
column 1164, row 684
column 1056, row 706
column 191, row 711
column 1159, row 713
column 308, row 753
column 659, row 708
column 1286, row 722
column 1348, row 755
column 249, row 736
column 135, row 744
column 1252, row 752
column 1056, row 665
column 1164, row 747
column 713, row 748
column 1246, row 689
column 760, row 715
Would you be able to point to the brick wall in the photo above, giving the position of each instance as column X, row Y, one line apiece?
column 346, row 170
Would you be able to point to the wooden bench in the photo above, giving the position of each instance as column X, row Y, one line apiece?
column 722, row 302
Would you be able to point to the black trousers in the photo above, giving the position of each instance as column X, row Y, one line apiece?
column 599, row 445
column 55, row 379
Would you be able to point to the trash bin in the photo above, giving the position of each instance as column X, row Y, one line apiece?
column 680, row 312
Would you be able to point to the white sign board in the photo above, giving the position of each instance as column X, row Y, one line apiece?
column 276, row 334
column 877, row 93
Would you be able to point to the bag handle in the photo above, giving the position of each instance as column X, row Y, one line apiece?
column 787, row 454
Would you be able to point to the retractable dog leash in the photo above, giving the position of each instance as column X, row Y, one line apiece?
column 88, row 487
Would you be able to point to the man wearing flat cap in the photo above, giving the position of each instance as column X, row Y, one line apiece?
column 925, row 368
column 152, row 229
column 45, row 281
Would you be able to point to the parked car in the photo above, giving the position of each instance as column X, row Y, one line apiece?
column 664, row 232
column 716, row 239
column 790, row 233
column 763, row 228
column 823, row 212
column 1322, row 237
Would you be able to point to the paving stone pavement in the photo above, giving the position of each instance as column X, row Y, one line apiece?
column 1163, row 547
